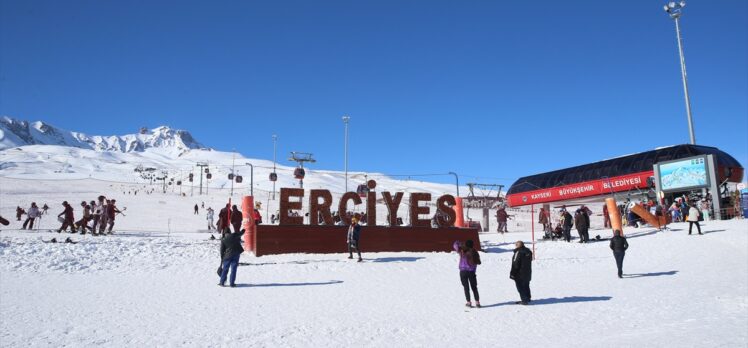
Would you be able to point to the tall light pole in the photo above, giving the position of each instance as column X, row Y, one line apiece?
column 675, row 9
column 275, row 148
column 233, row 175
column 251, row 178
column 457, row 182
column 346, row 119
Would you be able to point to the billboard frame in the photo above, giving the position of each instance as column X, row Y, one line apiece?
column 707, row 168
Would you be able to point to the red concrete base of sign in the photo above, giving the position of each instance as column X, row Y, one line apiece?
column 289, row 239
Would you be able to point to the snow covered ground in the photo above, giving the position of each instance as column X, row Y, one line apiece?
column 159, row 289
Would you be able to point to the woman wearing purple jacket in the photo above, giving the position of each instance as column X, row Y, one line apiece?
column 469, row 261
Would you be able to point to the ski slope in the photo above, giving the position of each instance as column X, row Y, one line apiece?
column 158, row 288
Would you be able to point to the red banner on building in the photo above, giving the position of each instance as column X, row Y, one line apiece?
column 583, row 189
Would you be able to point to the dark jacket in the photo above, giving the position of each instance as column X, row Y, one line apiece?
column 521, row 264
column 354, row 232
column 68, row 213
column 618, row 243
column 223, row 222
column 582, row 221
column 236, row 217
column 568, row 220
column 231, row 245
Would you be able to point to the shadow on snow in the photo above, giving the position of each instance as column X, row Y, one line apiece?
column 555, row 300
column 655, row 274
column 332, row 282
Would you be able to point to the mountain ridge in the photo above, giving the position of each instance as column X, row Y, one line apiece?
column 17, row 133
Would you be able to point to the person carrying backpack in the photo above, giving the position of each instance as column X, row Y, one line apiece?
column 469, row 261
column 231, row 251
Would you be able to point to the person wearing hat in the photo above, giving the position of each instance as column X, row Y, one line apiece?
column 66, row 217
column 354, row 233
column 521, row 271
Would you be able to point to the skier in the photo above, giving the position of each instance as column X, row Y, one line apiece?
column 68, row 219
column 231, row 251
column 98, row 209
column 236, row 218
column 31, row 216
column 354, row 234
column 82, row 224
column 19, row 212
column 196, row 209
column 567, row 222
column 693, row 218
column 469, row 261
column 45, row 208
column 111, row 212
column 619, row 245
column 209, row 217
column 202, row 205
column 521, row 271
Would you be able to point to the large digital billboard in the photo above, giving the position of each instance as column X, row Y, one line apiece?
column 684, row 174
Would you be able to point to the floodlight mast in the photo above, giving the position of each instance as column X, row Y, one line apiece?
column 675, row 10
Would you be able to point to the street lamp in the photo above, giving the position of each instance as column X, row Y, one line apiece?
column 457, row 182
column 675, row 9
column 345, row 121
column 275, row 142
column 251, row 179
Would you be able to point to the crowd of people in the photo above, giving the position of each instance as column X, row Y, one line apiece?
column 98, row 216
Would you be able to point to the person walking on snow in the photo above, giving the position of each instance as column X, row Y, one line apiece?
column 32, row 214
column 619, row 245
column 231, row 251
column 693, row 218
column 354, row 234
column 469, row 261
column 197, row 209
column 209, row 217
column 68, row 219
column 521, row 272
column 606, row 217
column 501, row 218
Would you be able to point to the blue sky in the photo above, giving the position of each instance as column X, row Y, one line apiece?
column 492, row 90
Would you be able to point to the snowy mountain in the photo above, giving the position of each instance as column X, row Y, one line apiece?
column 15, row 133
column 43, row 152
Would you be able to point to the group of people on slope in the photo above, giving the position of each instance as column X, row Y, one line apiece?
column 101, row 213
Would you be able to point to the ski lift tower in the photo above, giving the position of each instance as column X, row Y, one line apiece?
column 485, row 201
column 300, row 158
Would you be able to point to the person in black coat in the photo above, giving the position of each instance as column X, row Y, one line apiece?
column 568, row 222
column 231, row 251
column 521, row 271
column 236, row 218
column 619, row 245
column 352, row 239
